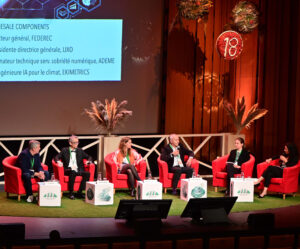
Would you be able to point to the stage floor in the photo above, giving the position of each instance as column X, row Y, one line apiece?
column 39, row 228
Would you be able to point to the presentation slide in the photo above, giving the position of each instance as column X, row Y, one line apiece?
column 60, row 50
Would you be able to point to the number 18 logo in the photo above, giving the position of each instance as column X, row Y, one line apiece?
column 229, row 45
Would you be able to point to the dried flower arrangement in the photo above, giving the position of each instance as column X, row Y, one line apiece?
column 109, row 115
column 238, row 113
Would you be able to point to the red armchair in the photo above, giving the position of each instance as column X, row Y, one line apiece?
column 13, row 178
column 220, row 174
column 64, row 180
column 121, row 180
column 288, row 184
column 166, row 178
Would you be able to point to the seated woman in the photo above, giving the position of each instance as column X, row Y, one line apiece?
column 235, row 160
column 288, row 158
column 126, row 158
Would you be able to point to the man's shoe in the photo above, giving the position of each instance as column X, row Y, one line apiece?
column 80, row 195
column 71, row 196
column 174, row 192
column 226, row 193
column 30, row 198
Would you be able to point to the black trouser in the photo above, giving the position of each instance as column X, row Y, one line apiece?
column 177, row 171
column 231, row 171
column 26, row 177
column 271, row 172
column 72, row 175
column 132, row 173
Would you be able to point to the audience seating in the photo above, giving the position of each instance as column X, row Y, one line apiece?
column 64, row 180
column 121, row 180
column 166, row 178
column 13, row 183
column 220, row 174
column 288, row 184
column 189, row 243
column 224, row 243
column 285, row 241
column 165, row 244
column 251, row 242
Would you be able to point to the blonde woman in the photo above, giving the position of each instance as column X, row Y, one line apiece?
column 126, row 158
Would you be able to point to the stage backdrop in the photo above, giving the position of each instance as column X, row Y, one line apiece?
column 43, row 105
column 266, row 72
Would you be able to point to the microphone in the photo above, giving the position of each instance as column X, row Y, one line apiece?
column 178, row 147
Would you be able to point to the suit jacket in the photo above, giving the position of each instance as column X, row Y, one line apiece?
column 24, row 162
column 64, row 155
column 244, row 157
column 169, row 158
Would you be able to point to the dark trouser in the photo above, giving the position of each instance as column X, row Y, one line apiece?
column 132, row 173
column 26, row 177
column 72, row 175
column 231, row 171
column 177, row 171
column 271, row 172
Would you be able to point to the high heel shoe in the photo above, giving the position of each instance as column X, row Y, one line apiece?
column 259, row 196
column 132, row 192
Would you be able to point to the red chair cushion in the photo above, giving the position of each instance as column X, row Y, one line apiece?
column 276, row 180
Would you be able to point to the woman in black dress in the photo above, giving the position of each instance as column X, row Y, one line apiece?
column 288, row 158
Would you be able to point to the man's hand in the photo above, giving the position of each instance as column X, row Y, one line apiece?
column 189, row 162
column 175, row 152
column 40, row 175
column 236, row 166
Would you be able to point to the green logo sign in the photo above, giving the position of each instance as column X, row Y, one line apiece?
column 152, row 193
column 50, row 196
column 198, row 192
column 243, row 191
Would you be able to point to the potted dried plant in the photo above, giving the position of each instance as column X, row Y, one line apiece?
column 107, row 116
column 240, row 122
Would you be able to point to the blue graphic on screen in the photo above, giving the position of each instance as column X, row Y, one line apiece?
column 45, row 42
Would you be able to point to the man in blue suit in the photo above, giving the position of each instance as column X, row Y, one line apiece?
column 30, row 163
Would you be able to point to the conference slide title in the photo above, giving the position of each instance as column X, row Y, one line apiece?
column 60, row 50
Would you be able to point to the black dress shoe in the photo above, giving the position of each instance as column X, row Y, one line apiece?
column 71, row 196
column 226, row 193
column 80, row 195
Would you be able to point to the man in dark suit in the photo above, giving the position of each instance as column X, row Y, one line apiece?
column 173, row 154
column 72, row 159
column 30, row 163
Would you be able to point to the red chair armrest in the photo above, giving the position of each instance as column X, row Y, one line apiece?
column 45, row 167
column 261, row 167
column 163, row 170
column 195, row 166
column 248, row 166
column 141, row 168
column 219, row 164
column 90, row 168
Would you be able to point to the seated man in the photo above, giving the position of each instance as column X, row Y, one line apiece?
column 72, row 159
column 173, row 154
column 30, row 163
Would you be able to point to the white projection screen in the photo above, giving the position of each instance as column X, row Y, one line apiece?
column 59, row 55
